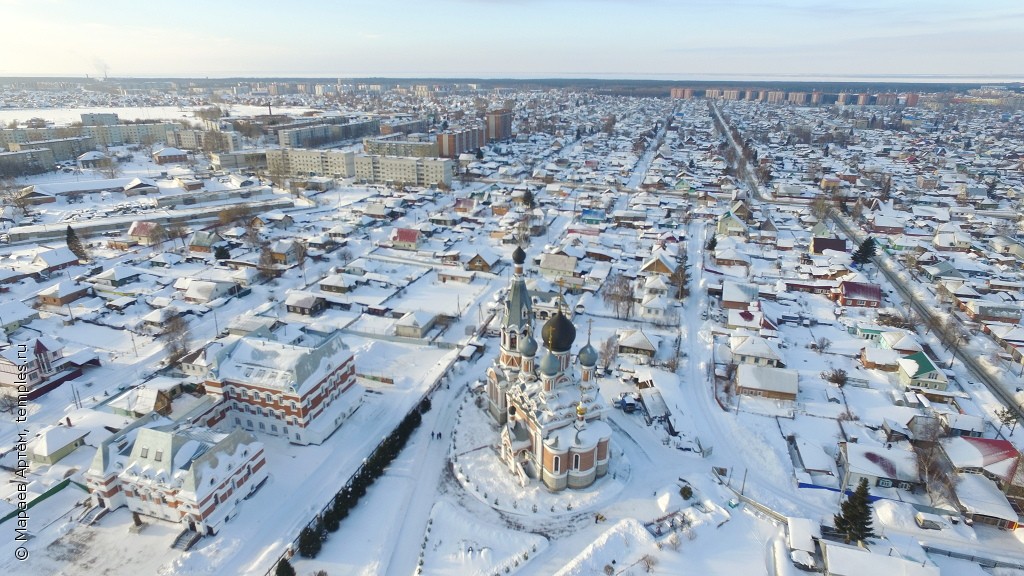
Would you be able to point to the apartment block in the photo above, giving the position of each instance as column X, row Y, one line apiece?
column 407, row 170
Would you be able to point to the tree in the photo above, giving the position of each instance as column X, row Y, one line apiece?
column 822, row 345
column 528, row 199
column 1007, row 418
column 479, row 153
column 617, row 292
column 221, row 253
column 712, row 243
column 680, row 280
column 75, row 244
column 234, row 214
column 175, row 337
column 819, row 207
column 177, row 231
column 836, row 376
column 865, row 252
column 300, row 259
column 854, row 518
column 265, row 266
column 110, row 167
column 8, row 403
column 284, row 568
column 932, row 467
column 608, row 351
column 309, row 542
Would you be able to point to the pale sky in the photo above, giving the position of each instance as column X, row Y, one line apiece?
column 661, row 39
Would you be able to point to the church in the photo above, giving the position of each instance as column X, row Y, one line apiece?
column 551, row 417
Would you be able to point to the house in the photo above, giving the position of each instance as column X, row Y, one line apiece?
column 146, row 233
column 196, row 477
column 820, row 244
column 992, row 311
column 737, row 295
column 53, row 259
column 297, row 389
column 892, row 467
column 36, row 365
column 880, row 359
column 731, row 225
column 415, row 324
column 304, row 303
column 137, row 186
column 61, row 293
column 660, row 262
column 284, row 252
column 93, row 159
column 203, row 241
column 637, row 343
column 554, row 266
column 483, row 261
column 405, row 239
column 843, row 560
column 859, row 294
column 205, row 291
column 750, row 349
column 981, row 501
column 766, row 381
column 115, row 277
column 14, row 315
column 918, row 371
column 55, row 442
column 274, row 218
column 337, row 284
column 170, row 155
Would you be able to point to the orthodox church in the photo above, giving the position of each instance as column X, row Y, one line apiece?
column 552, row 426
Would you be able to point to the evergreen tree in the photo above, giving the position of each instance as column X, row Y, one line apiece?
column 854, row 518
column 284, row 568
column 712, row 243
column 221, row 253
column 309, row 542
column 75, row 244
column 865, row 252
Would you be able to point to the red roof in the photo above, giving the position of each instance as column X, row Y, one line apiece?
column 861, row 291
column 406, row 235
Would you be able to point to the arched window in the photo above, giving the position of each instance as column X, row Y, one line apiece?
column 575, row 461
column 556, row 464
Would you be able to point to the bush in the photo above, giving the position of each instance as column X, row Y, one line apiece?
column 686, row 492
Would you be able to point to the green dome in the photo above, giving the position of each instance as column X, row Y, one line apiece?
column 587, row 356
column 528, row 346
column 559, row 333
column 549, row 364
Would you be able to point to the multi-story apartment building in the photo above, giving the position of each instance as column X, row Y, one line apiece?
column 404, row 126
column 451, row 143
column 776, row 97
column 26, row 162
column 395, row 147
column 64, row 149
column 499, row 124
column 205, row 140
column 682, row 93
column 99, row 119
column 327, row 134
column 311, row 162
column 410, row 171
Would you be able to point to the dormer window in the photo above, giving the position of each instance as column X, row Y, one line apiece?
column 159, row 457
column 144, row 453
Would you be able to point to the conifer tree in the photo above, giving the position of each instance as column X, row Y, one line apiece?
column 865, row 252
column 309, row 542
column 284, row 568
column 75, row 244
column 854, row 518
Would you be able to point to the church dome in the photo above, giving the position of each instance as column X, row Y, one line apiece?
column 528, row 346
column 559, row 333
column 518, row 256
column 587, row 356
column 549, row 365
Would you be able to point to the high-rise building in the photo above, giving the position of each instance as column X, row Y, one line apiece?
column 451, row 143
column 499, row 124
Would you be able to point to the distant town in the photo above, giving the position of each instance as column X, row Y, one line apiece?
column 553, row 327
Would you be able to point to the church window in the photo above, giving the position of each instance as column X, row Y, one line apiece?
column 576, row 462
column 511, row 340
column 556, row 464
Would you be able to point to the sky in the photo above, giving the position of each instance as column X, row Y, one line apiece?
column 656, row 39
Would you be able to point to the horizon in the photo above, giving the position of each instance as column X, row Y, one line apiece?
column 523, row 39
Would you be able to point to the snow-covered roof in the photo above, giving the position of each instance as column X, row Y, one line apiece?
column 980, row 496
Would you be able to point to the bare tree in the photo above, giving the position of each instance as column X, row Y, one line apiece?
column 1007, row 418
column 609, row 349
column 175, row 337
column 8, row 403
column 836, row 376
column 234, row 214
column 822, row 345
column 177, row 231
column 300, row 259
column 932, row 467
column 617, row 292
column 265, row 267
column 110, row 167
